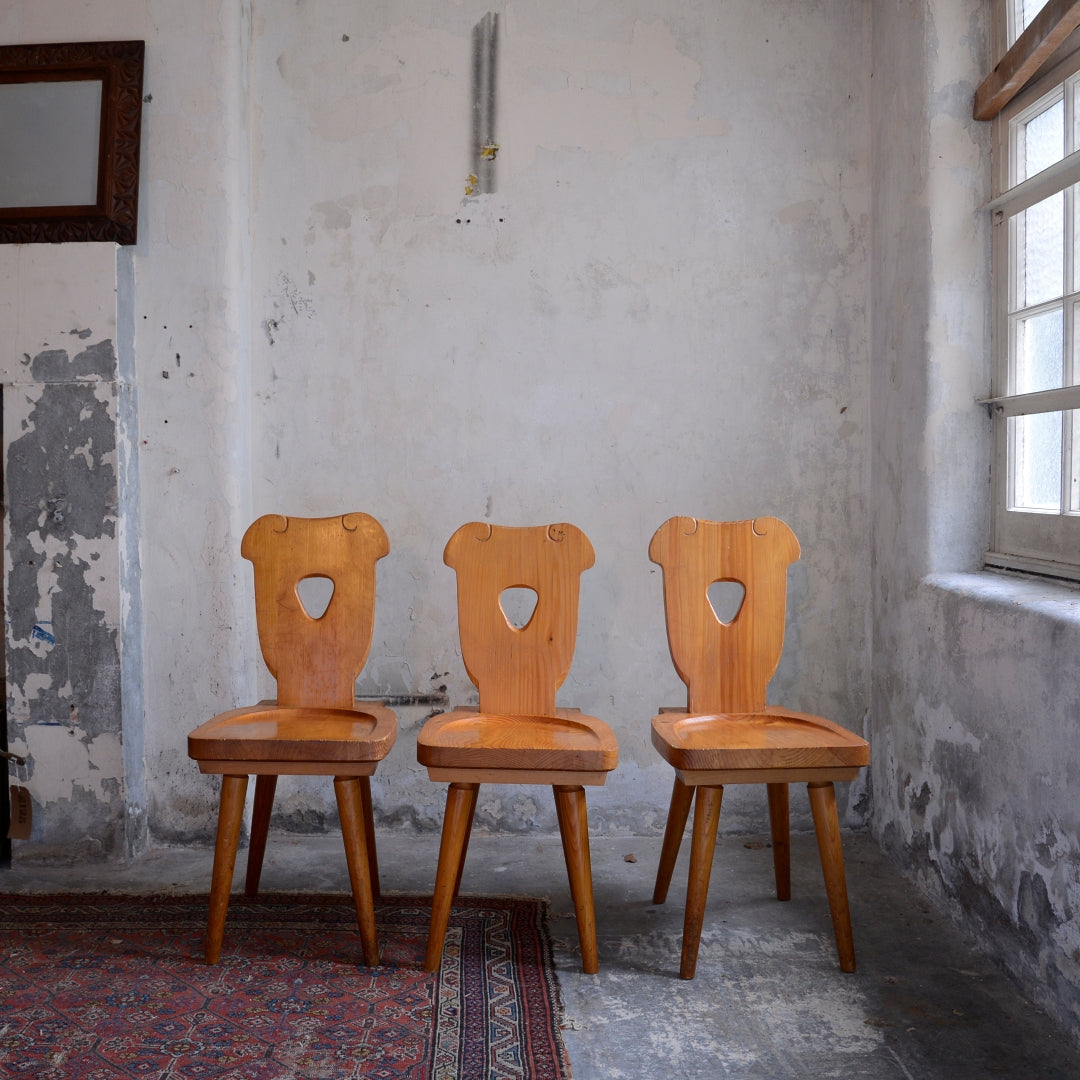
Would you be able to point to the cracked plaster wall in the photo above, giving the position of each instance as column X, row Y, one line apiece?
column 975, row 694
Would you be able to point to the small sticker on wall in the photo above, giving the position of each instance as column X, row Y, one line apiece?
column 22, row 816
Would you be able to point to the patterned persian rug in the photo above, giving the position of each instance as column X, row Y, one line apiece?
column 97, row 987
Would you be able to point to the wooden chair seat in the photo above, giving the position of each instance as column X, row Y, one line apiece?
column 727, row 734
column 314, row 727
column 517, row 735
column 327, row 741
column 775, row 738
column 566, row 742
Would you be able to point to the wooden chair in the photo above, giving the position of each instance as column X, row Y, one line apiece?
column 517, row 735
column 315, row 727
column 727, row 734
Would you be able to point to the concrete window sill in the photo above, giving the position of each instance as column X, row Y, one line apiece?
column 1055, row 600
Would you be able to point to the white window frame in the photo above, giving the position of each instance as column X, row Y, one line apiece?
column 1046, row 542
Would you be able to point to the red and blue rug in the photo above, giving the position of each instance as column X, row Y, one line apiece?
column 99, row 987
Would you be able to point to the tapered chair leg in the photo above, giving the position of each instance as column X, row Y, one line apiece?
column 369, row 835
column 464, row 848
column 265, row 787
column 230, row 814
column 460, row 806
column 706, row 820
column 354, row 835
column 779, row 819
column 574, row 827
column 681, row 798
column 827, row 827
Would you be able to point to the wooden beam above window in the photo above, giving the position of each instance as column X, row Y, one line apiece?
column 1057, row 20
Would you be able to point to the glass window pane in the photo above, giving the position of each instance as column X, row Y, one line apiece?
column 1040, row 251
column 1072, row 86
column 1026, row 10
column 1041, row 141
column 1071, row 375
column 1035, row 454
column 1038, row 346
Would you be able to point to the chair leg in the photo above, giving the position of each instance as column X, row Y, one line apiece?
column 354, row 835
column 230, row 814
column 260, row 826
column 574, row 827
column 369, row 835
column 464, row 848
column 827, row 827
column 779, row 818
column 706, row 820
column 681, row 798
column 460, row 805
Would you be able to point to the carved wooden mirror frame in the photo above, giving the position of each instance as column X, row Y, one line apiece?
column 113, row 216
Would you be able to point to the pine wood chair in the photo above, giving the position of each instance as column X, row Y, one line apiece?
column 727, row 734
column 315, row 727
column 517, row 735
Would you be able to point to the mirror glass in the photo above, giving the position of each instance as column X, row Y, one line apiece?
column 50, row 134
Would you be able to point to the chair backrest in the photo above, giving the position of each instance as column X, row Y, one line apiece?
column 315, row 661
column 518, row 670
column 726, row 666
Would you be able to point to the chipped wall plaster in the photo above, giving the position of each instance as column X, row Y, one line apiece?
column 62, row 566
column 974, row 692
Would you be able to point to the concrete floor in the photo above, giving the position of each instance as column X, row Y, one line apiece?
column 769, row 999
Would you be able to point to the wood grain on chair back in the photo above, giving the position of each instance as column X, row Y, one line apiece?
column 315, row 661
column 726, row 667
column 518, row 670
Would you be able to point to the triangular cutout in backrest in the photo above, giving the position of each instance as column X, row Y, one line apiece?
column 518, row 605
column 726, row 599
column 315, row 594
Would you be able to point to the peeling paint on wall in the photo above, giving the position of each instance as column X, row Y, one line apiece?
column 975, row 693
column 63, row 653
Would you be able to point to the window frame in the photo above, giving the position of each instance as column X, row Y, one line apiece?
column 1044, row 542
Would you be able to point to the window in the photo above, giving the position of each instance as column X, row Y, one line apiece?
column 1020, row 14
column 1035, row 397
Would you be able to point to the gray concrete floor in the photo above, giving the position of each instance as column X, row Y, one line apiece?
column 768, row 1000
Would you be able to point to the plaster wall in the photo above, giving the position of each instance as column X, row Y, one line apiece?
column 661, row 310
column 975, row 692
